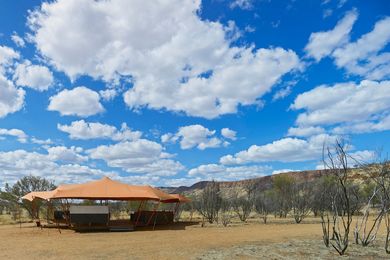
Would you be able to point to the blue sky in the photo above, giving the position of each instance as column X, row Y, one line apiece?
column 169, row 93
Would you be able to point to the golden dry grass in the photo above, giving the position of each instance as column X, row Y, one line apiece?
column 277, row 240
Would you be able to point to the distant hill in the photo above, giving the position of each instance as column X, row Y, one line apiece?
column 261, row 183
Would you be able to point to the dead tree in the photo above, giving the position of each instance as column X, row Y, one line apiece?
column 365, row 233
column 382, row 180
column 336, row 162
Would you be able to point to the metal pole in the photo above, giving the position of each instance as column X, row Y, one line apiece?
column 153, row 213
column 155, row 218
column 33, row 209
column 20, row 216
column 35, row 213
column 139, row 213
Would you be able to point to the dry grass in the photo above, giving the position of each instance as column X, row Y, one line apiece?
column 277, row 240
column 293, row 249
column 7, row 218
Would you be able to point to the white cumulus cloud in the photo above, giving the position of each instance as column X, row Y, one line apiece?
column 229, row 133
column 80, row 101
column 185, row 64
column 33, row 76
column 305, row 131
column 65, row 154
column 322, row 44
column 283, row 150
column 16, row 164
column 364, row 57
column 225, row 173
column 11, row 98
column 40, row 141
column 93, row 130
column 194, row 136
column 7, row 57
column 350, row 107
column 108, row 94
column 18, row 40
column 140, row 157
column 376, row 125
column 19, row 134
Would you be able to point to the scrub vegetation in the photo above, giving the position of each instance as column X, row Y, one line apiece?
column 344, row 211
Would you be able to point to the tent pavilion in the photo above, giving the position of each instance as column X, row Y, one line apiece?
column 106, row 189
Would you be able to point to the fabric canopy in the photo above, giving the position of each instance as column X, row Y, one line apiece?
column 178, row 198
column 45, row 195
column 104, row 189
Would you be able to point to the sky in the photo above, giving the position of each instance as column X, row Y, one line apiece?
column 173, row 92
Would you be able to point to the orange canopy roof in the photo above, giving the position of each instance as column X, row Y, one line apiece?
column 107, row 189
column 45, row 195
column 178, row 198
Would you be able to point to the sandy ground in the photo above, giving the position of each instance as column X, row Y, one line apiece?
column 294, row 249
column 179, row 241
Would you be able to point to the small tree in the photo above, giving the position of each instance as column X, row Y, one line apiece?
column 242, row 206
column 264, row 204
column 282, row 186
column 356, row 198
column 12, row 195
column 226, row 212
column 322, row 203
column 250, row 188
column 301, row 201
column 208, row 203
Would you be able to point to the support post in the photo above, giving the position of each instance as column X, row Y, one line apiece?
column 153, row 213
column 139, row 213
column 35, row 213
column 155, row 219
column 33, row 209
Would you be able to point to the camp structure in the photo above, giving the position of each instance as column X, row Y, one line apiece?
column 44, row 195
column 81, row 217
